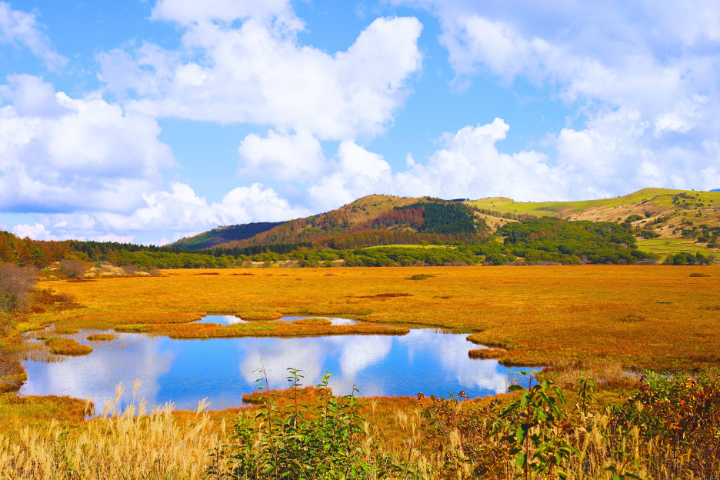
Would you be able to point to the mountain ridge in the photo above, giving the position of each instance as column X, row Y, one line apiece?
column 374, row 219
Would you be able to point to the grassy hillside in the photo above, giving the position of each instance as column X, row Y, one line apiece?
column 662, row 218
column 220, row 235
column 374, row 220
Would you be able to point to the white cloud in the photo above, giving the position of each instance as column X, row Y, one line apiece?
column 189, row 12
column 468, row 165
column 21, row 28
column 36, row 232
column 644, row 77
column 63, row 154
column 357, row 173
column 40, row 232
column 260, row 74
column 181, row 211
column 612, row 155
column 282, row 157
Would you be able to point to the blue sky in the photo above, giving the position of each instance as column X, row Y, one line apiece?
column 151, row 120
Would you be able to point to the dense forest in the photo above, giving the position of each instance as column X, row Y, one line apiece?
column 544, row 240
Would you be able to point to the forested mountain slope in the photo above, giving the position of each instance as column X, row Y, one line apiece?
column 375, row 220
column 225, row 234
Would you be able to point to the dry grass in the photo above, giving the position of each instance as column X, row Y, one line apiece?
column 538, row 314
column 66, row 346
column 432, row 439
column 312, row 321
column 101, row 337
column 487, row 353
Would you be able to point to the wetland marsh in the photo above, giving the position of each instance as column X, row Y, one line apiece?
column 222, row 370
column 419, row 326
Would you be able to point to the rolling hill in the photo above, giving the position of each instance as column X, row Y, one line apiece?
column 225, row 234
column 665, row 221
column 374, row 220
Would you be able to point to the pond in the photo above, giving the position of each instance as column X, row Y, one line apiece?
column 185, row 371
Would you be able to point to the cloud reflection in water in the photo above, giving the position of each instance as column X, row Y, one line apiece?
column 185, row 371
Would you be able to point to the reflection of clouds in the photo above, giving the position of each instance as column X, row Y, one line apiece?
column 222, row 319
column 357, row 355
column 353, row 352
column 185, row 371
column 333, row 320
column 279, row 354
column 95, row 375
column 452, row 353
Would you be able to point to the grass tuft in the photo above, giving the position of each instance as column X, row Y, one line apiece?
column 101, row 337
column 312, row 321
column 487, row 353
column 66, row 346
column 422, row 276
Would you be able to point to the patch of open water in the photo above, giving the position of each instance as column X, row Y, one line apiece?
column 233, row 320
column 430, row 361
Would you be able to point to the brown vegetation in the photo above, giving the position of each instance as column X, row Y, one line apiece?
column 641, row 316
column 72, row 269
column 101, row 337
column 259, row 329
column 487, row 353
column 15, row 285
column 312, row 321
column 66, row 346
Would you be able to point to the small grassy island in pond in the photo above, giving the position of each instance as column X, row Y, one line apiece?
column 298, row 328
column 101, row 337
column 312, row 321
column 66, row 346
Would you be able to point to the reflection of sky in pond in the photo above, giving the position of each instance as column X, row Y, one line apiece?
column 185, row 371
column 232, row 320
column 333, row 320
column 222, row 319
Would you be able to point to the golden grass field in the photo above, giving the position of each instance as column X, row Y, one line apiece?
column 582, row 321
column 654, row 317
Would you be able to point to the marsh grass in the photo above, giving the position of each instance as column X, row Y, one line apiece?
column 66, row 331
column 487, row 353
column 312, row 321
column 631, row 318
column 664, row 429
column 66, row 346
column 421, row 276
column 608, row 375
column 538, row 314
column 101, row 337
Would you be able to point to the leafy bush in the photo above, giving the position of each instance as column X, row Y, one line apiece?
column 72, row 268
column 327, row 440
column 15, row 285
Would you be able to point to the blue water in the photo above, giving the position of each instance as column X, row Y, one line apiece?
column 186, row 371
column 232, row 320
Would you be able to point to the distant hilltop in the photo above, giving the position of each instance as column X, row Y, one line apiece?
column 387, row 219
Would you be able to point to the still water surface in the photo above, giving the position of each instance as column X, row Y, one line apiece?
column 186, row 371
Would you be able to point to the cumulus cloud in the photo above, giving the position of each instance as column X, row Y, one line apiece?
column 21, row 28
column 613, row 154
column 357, row 172
column 179, row 210
column 282, row 157
column 469, row 164
column 258, row 73
column 63, row 154
column 36, row 232
column 644, row 78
